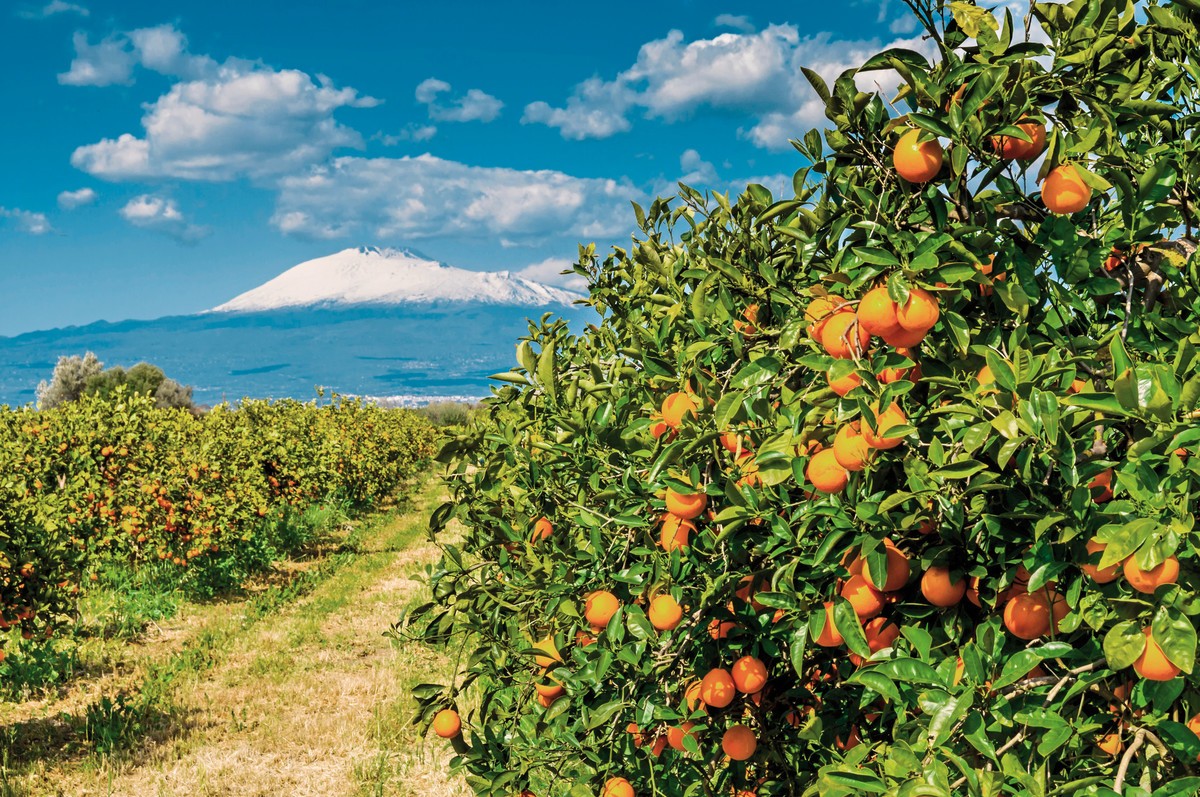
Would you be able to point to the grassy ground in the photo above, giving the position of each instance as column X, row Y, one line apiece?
column 293, row 690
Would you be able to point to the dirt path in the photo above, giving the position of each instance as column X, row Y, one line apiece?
column 309, row 699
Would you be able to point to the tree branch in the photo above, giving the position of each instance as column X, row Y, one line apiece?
column 1139, row 739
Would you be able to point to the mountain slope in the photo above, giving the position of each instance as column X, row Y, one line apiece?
column 368, row 275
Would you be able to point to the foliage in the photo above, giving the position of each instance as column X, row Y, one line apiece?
column 1064, row 357
column 69, row 380
column 447, row 413
column 118, row 481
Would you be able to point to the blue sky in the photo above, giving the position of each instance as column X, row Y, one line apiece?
column 164, row 157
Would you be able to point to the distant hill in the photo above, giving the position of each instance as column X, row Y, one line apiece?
column 372, row 322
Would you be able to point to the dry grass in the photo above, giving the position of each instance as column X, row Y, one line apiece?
column 309, row 700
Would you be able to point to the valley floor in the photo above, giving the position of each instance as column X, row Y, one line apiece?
column 294, row 691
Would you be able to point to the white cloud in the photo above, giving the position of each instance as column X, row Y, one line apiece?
column 413, row 132
column 53, row 8
column 903, row 25
column 150, row 212
column 161, row 49
column 549, row 271
column 474, row 106
column 69, row 200
column 104, row 64
column 27, row 221
column 696, row 170
column 739, row 22
column 751, row 74
column 425, row 196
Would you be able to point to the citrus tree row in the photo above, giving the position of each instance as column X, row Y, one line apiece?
column 883, row 488
column 118, row 481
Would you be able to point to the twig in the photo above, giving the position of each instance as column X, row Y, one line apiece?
column 1139, row 739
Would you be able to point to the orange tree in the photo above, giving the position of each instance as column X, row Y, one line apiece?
column 884, row 488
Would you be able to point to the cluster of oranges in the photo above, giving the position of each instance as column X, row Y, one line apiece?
column 918, row 158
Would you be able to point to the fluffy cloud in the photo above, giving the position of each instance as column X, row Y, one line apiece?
column 413, row 132
column 53, row 8
column 739, row 22
column 757, row 74
column 69, row 200
column 425, row 196
column 221, row 121
column 474, row 106
column 150, row 212
column 27, row 221
column 549, row 272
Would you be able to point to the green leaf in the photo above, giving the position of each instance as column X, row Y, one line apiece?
column 1176, row 635
column 846, row 621
column 1123, row 644
column 759, row 372
column 1016, row 668
column 972, row 19
column 963, row 469
column 878, row 257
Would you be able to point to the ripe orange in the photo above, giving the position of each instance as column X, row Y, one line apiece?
column 972, row 593
column 549, row 690
column 819, row 311
column 1147, row 581
column 546, row 652
column 719, row 629
column 1027, row 616
column 1013, row 148
column 660, row 428
column 850, row 449
column 676, row 406
column 735, row 443
column 542, row 529
column 1193, row 725
column 686, row 506
column 1101, row 486
column 829, row 636
column 739, row 743
column 600, row 607
column 675, row 735
column 986, row 270
column 748, row 466
column 845, row 384
column 851, row 741
column 447, row 724
column 748, row 585
column 617, row 787
column 866, row 600
column 633, row 730
column 1064, row 190
column 749, row 675
column 1110, row 744
column 665, row 613
column 940, row 589
column 675, row 531
column 917, row 161
column 748, row 327
column 691, row 696
column 891, row 417
column 897, row 569
column 843, row 337
column 1106, row 575
column 825, row 473
column 717, row 688
column 1153, row 664
column 877, row 312
column 920, row 312
column 881, row 633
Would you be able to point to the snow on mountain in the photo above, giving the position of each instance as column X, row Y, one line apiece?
column 370, row 275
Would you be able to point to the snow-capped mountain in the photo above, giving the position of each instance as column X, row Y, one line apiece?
column 374, row 276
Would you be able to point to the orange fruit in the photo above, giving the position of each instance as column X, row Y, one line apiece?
column 850, row 449
column 897, row 569
column 843, row 337
column 739, row 742
column 905, row 338
column 917, row 161
column 825, row 473
column 1101, row 486
column 1193, row 725
column 686, row 506
column 717, row 688
column 1064, row 190
column 748, row 466
column 845, row 384
column 1077, row 386
column 829, row 636
column 599, row 608
column 633, row 730
column 892, row 416
column 549, row 690
column 748, row 327
column 851, row 741
column 542, row 529
column 1147, row 581
column 734, row 443
column 447, row 724
column 881, row 633
column 819, row 311
column 877, row 312
column 675, row 735
column 1153, row 664
column 546, row 652
column 940, row 589
column 675, row 531
column 676, row 406
column 660, row 428
column 1110, row 744
column 691, row 696
column 972, row 593
column 583, row 639
column 920, row 312
column 1106, row 575
column 659, row 745
column 748, row 585
column 719, row 629
column 1027, row 616
column 866, row 600
column 1013, row 148
column 618, row 787
column 665, row 613
column 749, row 675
